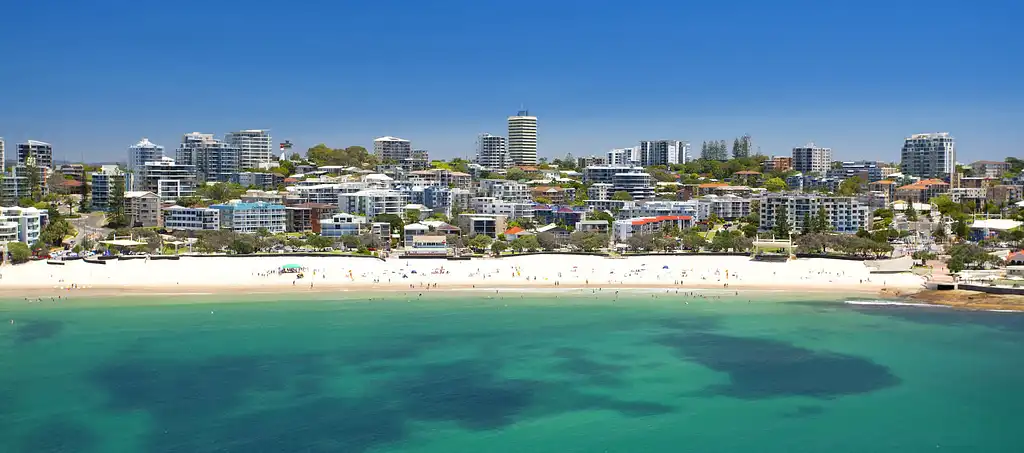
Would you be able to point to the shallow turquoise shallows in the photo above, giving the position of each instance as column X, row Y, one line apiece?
column 507, row 372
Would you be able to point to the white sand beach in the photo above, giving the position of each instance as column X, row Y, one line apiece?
column 260, row 274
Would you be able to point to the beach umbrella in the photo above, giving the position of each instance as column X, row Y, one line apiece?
column 664, row 267
column 414, row 271
column 291, row 266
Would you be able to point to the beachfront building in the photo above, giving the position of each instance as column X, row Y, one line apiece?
column 305, row 217
column 167, row 179
column 922, row 191
column 138, row 154
column 593, row 226
column 492, row 152
column 663, row 152
column 811, row 158
column 373, row 202
column 928, row 155
column 845, row 214
column 142, row 208
column 14, row 185
column 412, row 230
column 342, row 224
column 214, row 160
column 105, row 183
column 493, row 206
column 726, row 207
column 21, row 224
column 255, row 148
column 427, row 245
column 624, row 229
column 660, row 208
column 35, row 154
column 191, row 218
column 486, row 224
column 522, row 138
column 252, row 217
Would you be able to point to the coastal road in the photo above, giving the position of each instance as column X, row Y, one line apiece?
column 90, row 224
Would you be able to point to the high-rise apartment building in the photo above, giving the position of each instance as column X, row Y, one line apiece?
column 35, row 153
column 392, row 149
column 522, row 138
column 3, row 163
column 663, row 152
column 105, row 184
column 624, row 156
column 928, row 155
column 254, row 147
column 492, row 151
column 167, row 179
column 811, row 158
column 213, row 159
column 140, row 153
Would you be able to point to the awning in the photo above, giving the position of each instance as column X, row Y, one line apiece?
column 123, row 243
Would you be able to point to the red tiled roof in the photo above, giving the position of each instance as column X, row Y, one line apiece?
column 709, row 185
column 514, row 230
column 71, row 183
column 924, row 184
column 660, row 218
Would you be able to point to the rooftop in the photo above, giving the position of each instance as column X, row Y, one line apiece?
column 662, row 218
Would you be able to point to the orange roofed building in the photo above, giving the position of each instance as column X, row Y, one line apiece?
column 922, row 191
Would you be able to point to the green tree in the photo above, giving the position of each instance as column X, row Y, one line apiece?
column 515, row 174
column 547, row 241
column 498, row 247
column 782, row 226
column 775, row 185
column 319, row 242
column 960, row 228
column 808, row 226
column 821, row 221
column 19, row 252
column 911, row 212
column 622, row 195
column 220, row 192
column 851, row 186
column 480, row 242
column 116, row 217
column 241, row 246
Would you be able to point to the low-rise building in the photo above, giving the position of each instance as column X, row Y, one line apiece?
column 413, row 230
column 624, row 229
column 495, row 206
column 990, row 168
column 262, row 180
column 780, row 164
column 553, row 194
column 252, row 217
column 845, row 214
column 442, row 177
column 727, row 207
column 922, row 191
column 1004, row 194
column 600, row 191
column 21, row 224
column 510, row 191
column 427, row 245
column 486, row 224
column 191, row 218
column 142, row 208
column 343, row 224
column 593, row 226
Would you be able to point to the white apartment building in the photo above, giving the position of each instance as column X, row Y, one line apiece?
column 140, row 153
column 663, row 152
column 35, row 153
column 195, row 218
column 104, row 183
column 502, row 189
column 522, row 138
column 253, row 196
column 342, row 224
column 166, row 178
column 3, row 157
column 255, row 147
column 373, row 202
column 624, row 156
column 928, row 155
column 811, row 158
column 326, row 193
column 845, row 214
column 441, row 177
column 600, row 191
column 640, row 185
column 21, row 224
column 727, row 207
column 660, row 208
column 252, row 217
column 495, row 206
column 492, row 151
column 392, row 149
column 142, row 208
column 446, row 200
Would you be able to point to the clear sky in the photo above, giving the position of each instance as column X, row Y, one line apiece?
column 92, row 77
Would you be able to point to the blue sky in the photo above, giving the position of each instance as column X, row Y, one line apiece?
column 94, row 77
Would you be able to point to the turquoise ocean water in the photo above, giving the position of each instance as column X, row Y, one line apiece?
column 517, row 372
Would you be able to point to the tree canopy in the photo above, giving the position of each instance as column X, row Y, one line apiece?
column 352, row 156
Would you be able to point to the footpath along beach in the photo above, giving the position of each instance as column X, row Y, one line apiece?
column 261, row 274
